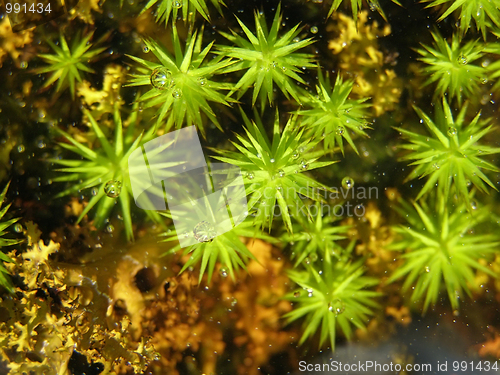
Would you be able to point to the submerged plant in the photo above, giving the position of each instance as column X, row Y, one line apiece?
column 4, row 278
column 104, row 170
column 439, row 248
column 331, row 113
column 67, row 64
column 332, row 294
column 267, row 58
column 274, row 169
column 482, row 11
column 166, row 8
column 226, row 248
column 452, row 156
column 317, row 238
column 357, row 4
column 181, row 85
column 451, row 66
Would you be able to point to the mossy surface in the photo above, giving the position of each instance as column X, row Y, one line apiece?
column 366, row 133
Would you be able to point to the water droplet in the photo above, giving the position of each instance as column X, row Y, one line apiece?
column 113, row 188
column 204, row 231
column 296, row 39
column 177, row 4
column 177, row 93
column 309, row 292
column 307, row 261
column 23, row 65
column 303, row 164
column 340, row 130
column 95, row 191
column 161, row 78
column 234, row 301
column 21, row 149
column 295, row 154
column 473, row 205
column 452, row 131
column 281, row 173
column 145, row 49
column 314, row 30
column 347, row 182
column 202, row 81
column 110, row 228
column 336, row 306
column 314, row 256
column 250, row 175
column 223, row 272
column 296, row 294
column 284, row 68
column 462, row 59
column 427, row 269
column 436, row 166
column 18, row 228
column 272, row 160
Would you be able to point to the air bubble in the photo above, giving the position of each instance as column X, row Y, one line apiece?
column 281, row 173
column 250, row 175
column 314, row 30
column 176, row 94
column 18, row 228
column 113, row 188
column 161, row 78
column 223, row 272
column 336, row 306
column 295, row 154
column 303, row 164
column 462, row 59
column 347, row 182
column 340, row 130
column 177, row 4
column 204, row 231
column 202, row 81
column 452, row 131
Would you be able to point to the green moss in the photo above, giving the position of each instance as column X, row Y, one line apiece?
column 439, row 250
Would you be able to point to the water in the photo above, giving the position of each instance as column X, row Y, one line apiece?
column 92, row 276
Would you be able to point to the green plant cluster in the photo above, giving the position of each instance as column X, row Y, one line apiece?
column 192, row 82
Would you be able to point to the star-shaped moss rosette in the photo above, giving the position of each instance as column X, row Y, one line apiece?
column 181, row 84
column 331, row 295
column 482, row 11
column 104, row 171
column 450, row 155
column 331, row 113
column 68, row 64
column 4, row 274
column 356, row 6
column 188, row 8
column 317, row 238
column 493, row 68
column 274, row 169
column 439, row 249
column 227, row 249
column 452, row 66
column 267, row 58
